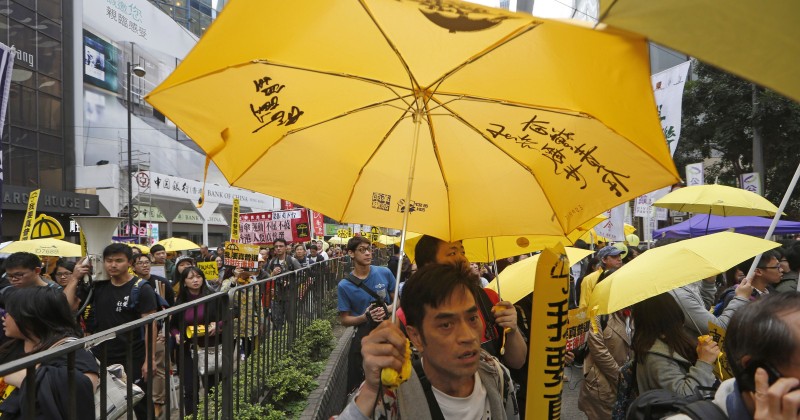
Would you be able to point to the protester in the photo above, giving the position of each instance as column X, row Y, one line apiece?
column 248, row 323
column 193, row 286
column 314, row 255
column 364, row 299
column 40, row 318
column 497, row 315
column 24, row 269
column 281, row 263
column 118, row 301
column 394, row 261
column 205, row 254
column 763, row 347
column 453, row 378
column 765, row 277
column 609, row 258
column 160, row 285
column 667, row 357
column 300, row 255
column 609, row 349
column 790, row 263
column 160, row 258
column 63, row 272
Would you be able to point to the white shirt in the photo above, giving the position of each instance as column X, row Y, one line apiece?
column 475, row 406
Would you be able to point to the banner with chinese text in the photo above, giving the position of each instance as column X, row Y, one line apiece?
column 264, row 227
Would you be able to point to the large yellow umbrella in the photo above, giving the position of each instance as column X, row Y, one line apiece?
column 144, row 248
column 671, row 266
column 46, row 247
column 756, row 40
column 720, row 200
column 177, row 244
column 592, row 236
column 518, row 279
column 338, row 241
column 480, row 121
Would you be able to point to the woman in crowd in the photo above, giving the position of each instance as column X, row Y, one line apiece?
column 200, row 323
column 246, row 324
column 40, row 319
column 63, row 272
column 667, row 357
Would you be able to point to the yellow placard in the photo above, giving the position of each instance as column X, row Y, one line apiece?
column 548, row 334
column 235, row 220
column 46, row 227
column 344, row 233
column 209, row 269
column 722, row 369
column 577, row 328
column 30, row 214
column 84, row 249
column 241, row 255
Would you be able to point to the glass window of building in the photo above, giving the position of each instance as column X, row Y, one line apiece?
column 51, row 9
column 50, row 28
column 50, row 57
column 22, row 107
column 23, row 166
column 50, row 119
column 51, row 171
column 52, row 144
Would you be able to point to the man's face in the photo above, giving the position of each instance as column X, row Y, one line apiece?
column 362, row 255
column 313, row 252
column 160, row 257
column 116, row 264
column 300, row 252
column 204, row 250
column 141, row 267
column 612, row 261
column 785, row 265
column 264, row 253
column 449, row 339
column 280, row 249
column 23, row 277
column 771, row 271
column 450, row 253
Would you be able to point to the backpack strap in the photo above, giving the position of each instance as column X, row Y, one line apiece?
column 360, row 283
column 485, row 305
column 433, row 405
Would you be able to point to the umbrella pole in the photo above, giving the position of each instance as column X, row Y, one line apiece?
column 412, row 164
column 777, row 217
column 496, row 274
column 708, row 221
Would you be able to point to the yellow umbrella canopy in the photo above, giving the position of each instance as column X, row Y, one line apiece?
column 144, row 248
column 499, row 247
column 756, row 40
column 670, row 266
column 44, row 247
column 338, row 241
column 556, row 122
column 720, row 200
column 518, row 279
column 177, row 244
column 591, row 235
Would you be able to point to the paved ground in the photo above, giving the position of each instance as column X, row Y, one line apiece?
column 569, row 395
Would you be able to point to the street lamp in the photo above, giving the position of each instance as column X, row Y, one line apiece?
column 139, row 72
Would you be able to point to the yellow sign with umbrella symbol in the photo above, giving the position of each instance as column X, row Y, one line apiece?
column 474, row 110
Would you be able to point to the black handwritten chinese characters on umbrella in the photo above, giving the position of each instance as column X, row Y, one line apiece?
column 561, row 147
column 269, row 111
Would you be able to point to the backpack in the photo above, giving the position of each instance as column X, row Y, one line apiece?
column 660, row 403
column 161, row 303
column 720, row 306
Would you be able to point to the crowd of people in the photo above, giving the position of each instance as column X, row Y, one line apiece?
column 468, row 345
column 45, row 302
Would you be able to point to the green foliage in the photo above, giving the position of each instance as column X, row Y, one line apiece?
column 719, row 122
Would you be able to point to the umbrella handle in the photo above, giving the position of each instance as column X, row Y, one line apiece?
column 503, row 346
column 407, row 210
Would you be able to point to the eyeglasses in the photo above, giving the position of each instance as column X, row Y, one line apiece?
column 63, row 274
column 363, row 249
column 18, row 275
column 144, row 263
column 777, row 267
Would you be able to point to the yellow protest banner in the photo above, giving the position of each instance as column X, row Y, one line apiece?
column 344, row 233
column 548, row 335
column 578, row 328
column 722, row 369
column 235, row 220
column 209, row 269
column 241, row 255
column 30, row 214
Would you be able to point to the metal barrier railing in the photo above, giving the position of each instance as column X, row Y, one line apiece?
column 259, row 323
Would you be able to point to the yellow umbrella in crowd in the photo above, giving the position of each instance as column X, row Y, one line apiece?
column 671, row 266
column 720, row 200
column 451, row 112
column 144, row 248
column 499, row 247
column 592, row 236
column 338, row 241
column 756, row 40
column 177, row 244
column 44, row 247
column 518, row 279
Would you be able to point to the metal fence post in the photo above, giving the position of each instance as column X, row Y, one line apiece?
column 227, row 358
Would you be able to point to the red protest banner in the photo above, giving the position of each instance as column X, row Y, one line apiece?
column 263, row 228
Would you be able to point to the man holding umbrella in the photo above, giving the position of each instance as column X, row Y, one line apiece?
column 610, row 259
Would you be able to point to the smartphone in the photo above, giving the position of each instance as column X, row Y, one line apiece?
column 747, row 379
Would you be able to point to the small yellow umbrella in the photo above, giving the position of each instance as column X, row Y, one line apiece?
column 720, row 200
column 177, row 244
column 756, row 40
column 46, row 247
column 144, row 248
column 518, row 279
column 336, row 240
column 499, row 247
column 671, row 266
